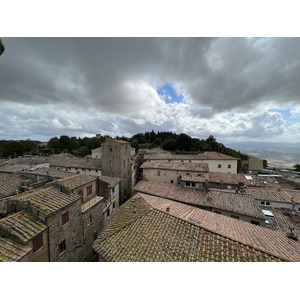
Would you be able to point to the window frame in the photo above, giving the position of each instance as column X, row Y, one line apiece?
column 62, row 247
column 89, row 190
column 65, row 218
column 37, row 243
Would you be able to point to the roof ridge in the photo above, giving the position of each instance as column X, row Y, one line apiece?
column 10, row 216
column 37, row 192
column 63, row 179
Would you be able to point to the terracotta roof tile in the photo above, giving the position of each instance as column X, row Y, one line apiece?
column 76, row 181
column 12, row 251
column 156, row 236
column 22, row 226
column 9, row 184
column 180, row 166
column 261, row 238
column 226, row 200
column 47, row 200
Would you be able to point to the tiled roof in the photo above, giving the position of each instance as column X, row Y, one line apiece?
column 273, row 242
column 112, row 181
column 282, row 222
column 60, row 160
column 12, row 251
column 47, row 200
column 22, row 226
column 249, row 180
column 76, row 181
column 191, row 178
column 49, row 172
column 275, row 195
column 205, row 156
column 9, row 184
column 152, row 235
column 225, row 200
column 180, row 166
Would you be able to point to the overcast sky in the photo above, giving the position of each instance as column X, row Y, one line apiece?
column 237, row 89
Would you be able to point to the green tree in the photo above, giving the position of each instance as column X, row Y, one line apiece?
column 297, row 167
column 83, row 151
column 65, row 143
column 169, row 145
column 54, row 145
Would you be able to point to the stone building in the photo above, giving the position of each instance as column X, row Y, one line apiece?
column 25, row 229
column 116, row 162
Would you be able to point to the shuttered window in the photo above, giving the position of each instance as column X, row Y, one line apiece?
column 37, row 242
column 65, row 218
column 89, row 190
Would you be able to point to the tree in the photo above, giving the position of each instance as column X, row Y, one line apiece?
column 297, row 167
column 83, row 151
column 65, row 142
column 184, row 142
column 169, row 145
column 54, row 145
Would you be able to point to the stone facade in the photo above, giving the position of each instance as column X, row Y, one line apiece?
column 116, row 162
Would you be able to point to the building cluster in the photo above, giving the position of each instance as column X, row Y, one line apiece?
column 152, row 205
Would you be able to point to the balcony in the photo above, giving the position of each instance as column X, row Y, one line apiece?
column 87, row 205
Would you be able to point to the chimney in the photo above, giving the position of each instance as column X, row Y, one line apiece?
column 291, row 234
column 206, row 185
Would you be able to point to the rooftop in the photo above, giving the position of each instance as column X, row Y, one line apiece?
column 142, row 230
column 21, row 226
column 258, row 237
column 191, row 178
column 209, row 155
column 221, row 199
column 275, row 195
column 76, row 181
column 180, row 166
column 249, row 180
column 47, row 200
column 112, row 181
column 9, row 184
column 12, row 251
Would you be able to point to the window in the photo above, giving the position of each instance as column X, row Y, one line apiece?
column 110, row 149
column 108, row 213
column 298, row 208
column 262, row 202
column 254, row 222
column 80, row 193
column 37, row 242
column 62, row 246
column 89, row 220
column 219, row 166
column 193, row 184
column 235, row 217
column 113, row 189
column 89, row 190
column 187, row 173
column 158, row 173
column 217, row 212
column 187, row 184
column 229, row 166
column 267, row 203
column 190, row 161
column 94, row 235
column 171, row 181
column 65, row 218
column 114, row 204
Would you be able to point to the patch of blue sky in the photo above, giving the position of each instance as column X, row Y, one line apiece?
column 168, row 94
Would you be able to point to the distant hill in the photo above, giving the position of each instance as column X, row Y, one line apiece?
column 278, row 155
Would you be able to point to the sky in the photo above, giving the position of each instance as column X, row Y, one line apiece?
column 236, row 89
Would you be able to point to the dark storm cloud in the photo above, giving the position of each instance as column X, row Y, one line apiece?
column 86, row 85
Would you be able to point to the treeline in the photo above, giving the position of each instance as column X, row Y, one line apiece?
column 177, row 143
column 181, row 143
column 63, row 144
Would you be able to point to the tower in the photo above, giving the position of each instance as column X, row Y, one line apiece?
column 116, row 162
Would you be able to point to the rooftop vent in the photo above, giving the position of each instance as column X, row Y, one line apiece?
column 195, row 220
column 292, row 235
column 168, row 209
